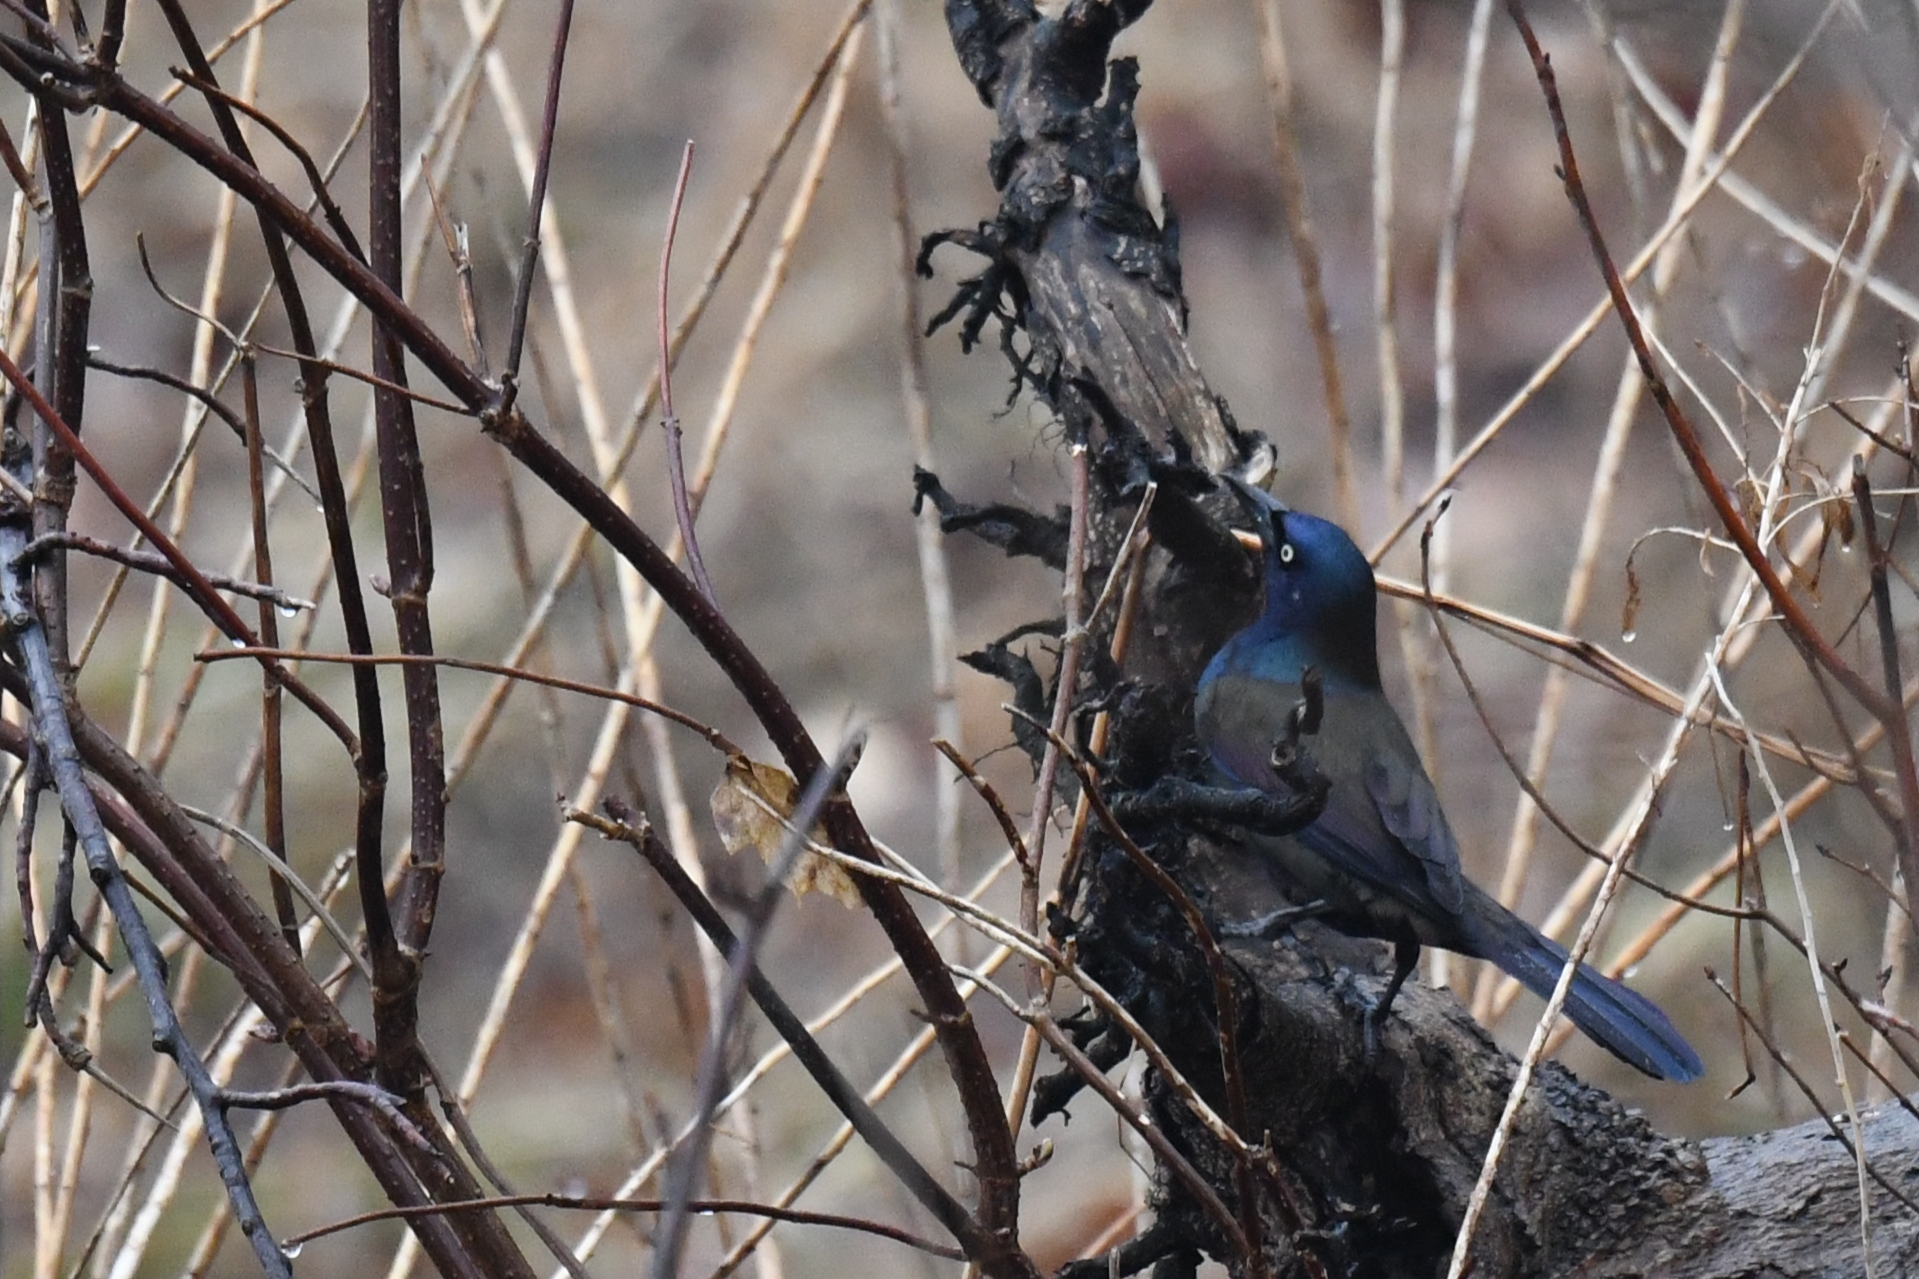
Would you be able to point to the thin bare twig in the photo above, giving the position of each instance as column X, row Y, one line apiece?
column 718, row 740
column 1299, row 222
column 670, row 422
column 335, row 219
column 1878, row 555
column 536, row 200
column 594, row 1203
column 929, row 542
column 159, row 565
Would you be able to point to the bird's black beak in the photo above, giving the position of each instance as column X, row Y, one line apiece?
column 1266, row 510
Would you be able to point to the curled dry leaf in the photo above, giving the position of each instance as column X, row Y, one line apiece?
column 1838, row 519
column 753, row 807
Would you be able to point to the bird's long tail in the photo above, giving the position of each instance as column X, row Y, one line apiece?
column 1618, row 1019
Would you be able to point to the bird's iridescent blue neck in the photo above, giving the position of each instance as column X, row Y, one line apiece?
column 1320, row 609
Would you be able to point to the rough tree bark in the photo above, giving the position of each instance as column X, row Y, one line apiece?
column 1374, row 1158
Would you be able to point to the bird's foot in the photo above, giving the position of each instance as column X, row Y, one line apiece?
column 1405, row 960
column 1240, row 809
column 1371, row 1008
column 1271, row 926
column 1374, row 1018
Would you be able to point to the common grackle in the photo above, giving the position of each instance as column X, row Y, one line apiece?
column 1380, row 860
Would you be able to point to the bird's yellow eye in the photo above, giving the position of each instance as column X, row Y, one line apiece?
column 1286, row 552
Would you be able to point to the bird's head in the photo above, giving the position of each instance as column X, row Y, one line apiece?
column 1320, row 594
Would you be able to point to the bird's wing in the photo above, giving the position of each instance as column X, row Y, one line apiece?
column 1409, row 808
column 1382, row 826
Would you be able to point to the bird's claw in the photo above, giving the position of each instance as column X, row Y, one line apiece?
column 1371, row 1008
column 1374, row 1018
column 1271, row 926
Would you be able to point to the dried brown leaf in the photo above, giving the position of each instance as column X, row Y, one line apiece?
column 752, row 808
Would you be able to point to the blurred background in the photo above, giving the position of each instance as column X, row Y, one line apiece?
column 564, row 987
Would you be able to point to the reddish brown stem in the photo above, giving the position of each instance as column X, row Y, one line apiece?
column 408, row 523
